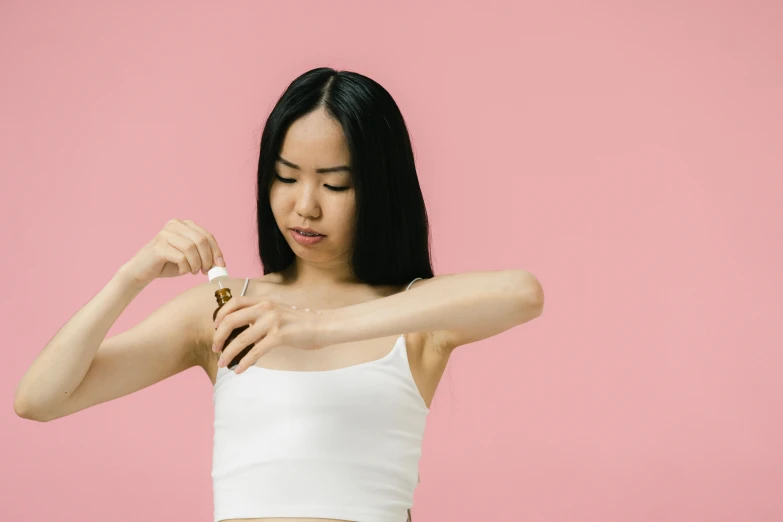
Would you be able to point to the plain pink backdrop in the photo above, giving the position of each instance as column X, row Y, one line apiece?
column 627, row 153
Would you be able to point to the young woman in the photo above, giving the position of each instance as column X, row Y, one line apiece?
column 322, row 420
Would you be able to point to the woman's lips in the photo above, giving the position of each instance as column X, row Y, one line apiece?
column 306, row 240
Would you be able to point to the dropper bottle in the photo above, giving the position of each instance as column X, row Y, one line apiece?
column 219, row 275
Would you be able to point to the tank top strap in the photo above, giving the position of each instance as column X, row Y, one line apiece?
column 409, row 284
column 245, row 288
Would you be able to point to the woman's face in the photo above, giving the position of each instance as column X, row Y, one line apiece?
column 306, row 198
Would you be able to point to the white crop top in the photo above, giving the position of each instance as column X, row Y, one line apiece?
column 342, row 444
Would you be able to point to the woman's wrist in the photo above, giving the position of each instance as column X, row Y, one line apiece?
column 124, row 278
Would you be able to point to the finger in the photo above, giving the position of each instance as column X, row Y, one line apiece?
column 240, row 318
column 187, row 247
column 249, row 336
column 252, row 356
column 217, row 253
column 174, row 255
column 203, row 248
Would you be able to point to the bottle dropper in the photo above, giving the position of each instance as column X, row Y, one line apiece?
column 218, row 274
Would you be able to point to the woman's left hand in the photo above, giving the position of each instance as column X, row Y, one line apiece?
column 270, row 325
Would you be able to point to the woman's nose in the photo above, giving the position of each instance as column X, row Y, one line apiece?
column 307, row 202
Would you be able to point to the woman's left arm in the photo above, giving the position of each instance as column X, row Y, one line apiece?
column 458, row 308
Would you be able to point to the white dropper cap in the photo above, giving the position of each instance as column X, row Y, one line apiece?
column 217, row 272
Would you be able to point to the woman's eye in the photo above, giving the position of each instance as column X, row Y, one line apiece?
column 292, row 180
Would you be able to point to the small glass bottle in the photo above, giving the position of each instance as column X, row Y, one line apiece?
column 219, row 274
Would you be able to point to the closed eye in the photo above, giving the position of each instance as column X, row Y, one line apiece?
column 291, row 180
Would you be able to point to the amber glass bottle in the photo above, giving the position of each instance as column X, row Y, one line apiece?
column 218, row 275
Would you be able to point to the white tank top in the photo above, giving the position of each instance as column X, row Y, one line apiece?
column 342, row 444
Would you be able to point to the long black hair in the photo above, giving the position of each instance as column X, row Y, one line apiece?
column 392, row 234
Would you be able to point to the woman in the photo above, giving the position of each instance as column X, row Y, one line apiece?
column 322, row 420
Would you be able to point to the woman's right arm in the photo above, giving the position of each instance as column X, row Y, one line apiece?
column 79, row 368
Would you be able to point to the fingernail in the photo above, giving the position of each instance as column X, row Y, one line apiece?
column 221, row 262
column 214, row 348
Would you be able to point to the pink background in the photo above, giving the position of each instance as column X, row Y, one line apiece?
column 627, row 153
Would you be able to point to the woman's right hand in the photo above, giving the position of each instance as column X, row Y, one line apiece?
column 181, row 247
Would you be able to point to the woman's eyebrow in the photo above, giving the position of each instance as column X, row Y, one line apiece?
column 342, row 168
